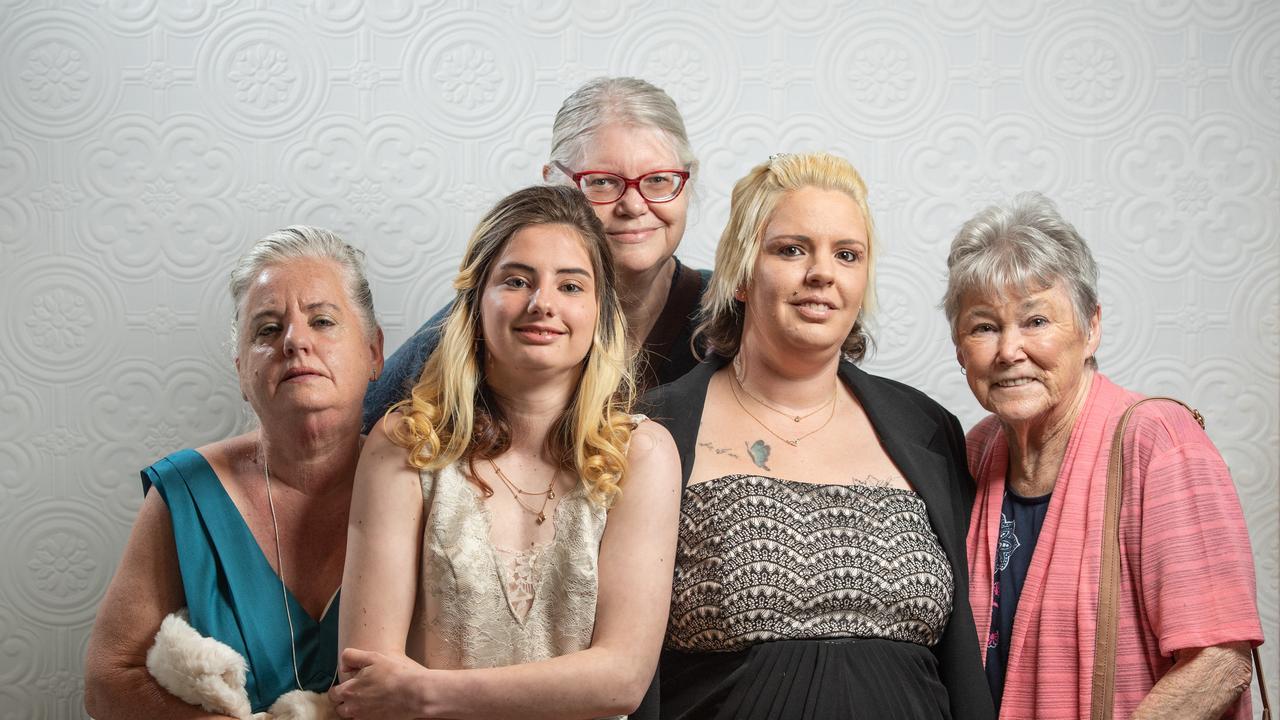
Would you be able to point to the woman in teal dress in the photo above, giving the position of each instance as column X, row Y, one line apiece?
column 248, row 534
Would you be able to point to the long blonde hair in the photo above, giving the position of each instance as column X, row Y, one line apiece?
column 450, row 414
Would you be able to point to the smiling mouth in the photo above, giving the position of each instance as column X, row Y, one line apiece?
column 539, row 333
column 630, row 235
column 814, row 309
column 1016, row 382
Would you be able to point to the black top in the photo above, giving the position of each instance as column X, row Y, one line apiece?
column 927, row 444
column 667, row 354
column 1020, row 522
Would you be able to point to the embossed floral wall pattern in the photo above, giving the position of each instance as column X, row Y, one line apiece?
column 144, row 144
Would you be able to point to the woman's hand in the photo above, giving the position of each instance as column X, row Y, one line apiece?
column 380, row 686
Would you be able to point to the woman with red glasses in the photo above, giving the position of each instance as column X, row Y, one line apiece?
column 621, row 141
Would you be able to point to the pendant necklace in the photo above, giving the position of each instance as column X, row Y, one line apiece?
column 284, row 593
column 793, row 442
column 516, row 491
column 793, row 417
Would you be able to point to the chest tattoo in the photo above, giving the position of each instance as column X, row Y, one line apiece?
column 720, row 450
column 759, row 451
column 874, row 481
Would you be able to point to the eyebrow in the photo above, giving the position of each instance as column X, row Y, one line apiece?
column 309, row 307
column 533, row 271
column 806, row 238
column 985, row 310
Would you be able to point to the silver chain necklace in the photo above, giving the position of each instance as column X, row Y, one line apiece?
column 284, row 592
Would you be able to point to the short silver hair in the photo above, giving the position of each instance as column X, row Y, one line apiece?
column 304, row 241
column 606, row 100
column 1026, row 245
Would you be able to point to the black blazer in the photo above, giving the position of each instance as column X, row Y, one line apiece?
column 927, row 444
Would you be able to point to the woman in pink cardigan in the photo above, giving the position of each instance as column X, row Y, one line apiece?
column 1023, row 305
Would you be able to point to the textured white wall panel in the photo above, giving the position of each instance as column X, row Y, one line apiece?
column 144, row 144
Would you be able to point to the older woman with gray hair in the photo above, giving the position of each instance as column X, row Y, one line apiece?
column 248, row 534
column 622, row 142
column 1022, row 300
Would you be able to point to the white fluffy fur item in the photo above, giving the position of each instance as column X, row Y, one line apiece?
column 203, row 671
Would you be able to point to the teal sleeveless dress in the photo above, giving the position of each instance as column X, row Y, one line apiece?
column 233, row 595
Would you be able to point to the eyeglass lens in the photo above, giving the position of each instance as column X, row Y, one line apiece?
column 655, row 186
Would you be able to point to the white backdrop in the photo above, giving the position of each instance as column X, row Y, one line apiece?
column 144, row 144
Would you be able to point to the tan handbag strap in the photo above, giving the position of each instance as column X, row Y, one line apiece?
column 1102, row 698
column 1262, row 685
column 1104, row 649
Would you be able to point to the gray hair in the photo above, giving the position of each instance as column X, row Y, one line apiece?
column 616, row 99
column 303, row 241
column 1026, row 245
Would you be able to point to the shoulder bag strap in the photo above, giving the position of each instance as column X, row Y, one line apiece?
column 1104, row 650
column 1262, row 685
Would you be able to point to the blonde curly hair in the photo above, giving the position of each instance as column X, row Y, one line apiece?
column 450, row 414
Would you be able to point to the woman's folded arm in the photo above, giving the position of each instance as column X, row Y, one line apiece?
column 146, row 588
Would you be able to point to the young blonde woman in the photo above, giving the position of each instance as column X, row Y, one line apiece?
column 512, row 529
column 820, row 567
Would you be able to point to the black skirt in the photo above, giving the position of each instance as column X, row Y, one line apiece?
column 805, row 679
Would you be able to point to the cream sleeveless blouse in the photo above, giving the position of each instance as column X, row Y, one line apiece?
column 474, row 608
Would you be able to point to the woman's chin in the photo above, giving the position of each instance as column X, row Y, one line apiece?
column 809, row 341
column 638, row 259
column 1019, row 414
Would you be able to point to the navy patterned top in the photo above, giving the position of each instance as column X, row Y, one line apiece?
column 1020, row 522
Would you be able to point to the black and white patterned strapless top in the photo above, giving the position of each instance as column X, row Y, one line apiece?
column 763, row 559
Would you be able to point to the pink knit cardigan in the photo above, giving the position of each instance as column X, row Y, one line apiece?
column 1186, row 567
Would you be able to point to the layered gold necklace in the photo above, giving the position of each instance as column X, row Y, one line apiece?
column 735, row 385
column 539, row 513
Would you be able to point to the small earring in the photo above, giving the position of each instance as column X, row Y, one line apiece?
column 963, row 371
column 373, row 376
column 740, row 295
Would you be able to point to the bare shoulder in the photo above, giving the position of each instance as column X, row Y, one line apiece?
column 233, row 460
column 220, row 452
column 649, row 438
column 653, row 464
column 386, row 489
column 382, row 455
column 378, row 442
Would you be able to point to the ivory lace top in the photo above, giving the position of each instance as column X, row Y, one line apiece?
column 480, row 606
